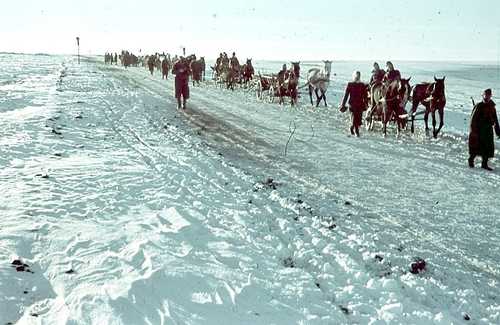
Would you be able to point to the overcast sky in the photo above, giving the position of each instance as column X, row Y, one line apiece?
column 262, row 29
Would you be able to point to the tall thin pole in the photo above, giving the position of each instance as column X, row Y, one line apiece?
column 78, row 44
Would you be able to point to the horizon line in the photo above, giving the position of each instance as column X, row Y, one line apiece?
column 494, row 62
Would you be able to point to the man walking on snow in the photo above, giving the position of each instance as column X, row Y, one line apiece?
column 181, row 71
column 356, row 92
column 483, row 120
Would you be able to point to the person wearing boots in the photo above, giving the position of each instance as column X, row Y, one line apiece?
column 483, row 120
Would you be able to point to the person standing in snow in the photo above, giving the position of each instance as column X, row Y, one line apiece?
column 357, row 93
column 483, row 120
column 181, row 71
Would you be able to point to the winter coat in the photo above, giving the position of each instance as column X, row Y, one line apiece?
column 181, row 71
column 483, row 120
column 356, row 92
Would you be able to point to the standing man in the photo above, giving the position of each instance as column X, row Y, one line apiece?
column 483, row 120
column 356, row 92
column 165, row 66
column 181, row 71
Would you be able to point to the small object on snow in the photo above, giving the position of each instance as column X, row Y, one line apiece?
column 70, row 271
column 56, row 132
column 299, row 201
column 345, row 310
column 418, row 266
column 466, row 317
column 317, row 284
column 332, row 226
column 250, row 202
column 288, row 262
column 34, row 314
column 379, row 258
column 270, row 183
column 220, row 154
column 79, row 115
column 20, row 266
column 25, row 292
column 347, row 203
column 58, row 154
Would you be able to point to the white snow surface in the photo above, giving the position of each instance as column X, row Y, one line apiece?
column 166, row 217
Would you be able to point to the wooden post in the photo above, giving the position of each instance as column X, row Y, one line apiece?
column 78, row 44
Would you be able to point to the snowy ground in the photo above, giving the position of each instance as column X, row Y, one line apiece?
column 127, row 211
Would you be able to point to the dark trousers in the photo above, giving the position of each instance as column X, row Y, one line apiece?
column 473, row 156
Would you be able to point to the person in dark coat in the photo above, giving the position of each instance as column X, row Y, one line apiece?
column 357, row 94
column 181, row 71
column 377, row 75
column 164, row 68
column 391, row 74
column 483, row 120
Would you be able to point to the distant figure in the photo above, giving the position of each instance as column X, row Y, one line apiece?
column 282, row 75
column 165, row 66
column 391, row 74
column 225, row 61
column 181, row 71
column 377, row 75
column 483, row 120
column 357, row 93
column 235, row 63
column 151, row 64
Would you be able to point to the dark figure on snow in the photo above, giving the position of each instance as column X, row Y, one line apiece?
column 483, row 120
column 181, row 71
column 165, row 66
column 235, row 64
column 282, row 75
column 357, row 93
column 391, row 74
column 377, row 75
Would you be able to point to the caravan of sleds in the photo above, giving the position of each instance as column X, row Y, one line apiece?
column 386, row 96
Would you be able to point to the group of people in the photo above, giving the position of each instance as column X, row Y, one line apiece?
column 224, row 62
column 110, row 58
column 483, row 124
column 483, row 121
column 356, row 92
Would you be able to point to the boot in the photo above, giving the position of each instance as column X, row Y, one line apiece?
column 484, row 164
column 471, row 162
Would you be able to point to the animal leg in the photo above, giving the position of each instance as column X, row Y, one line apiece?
column 441, row 121
column 426, row 121
column 434, row 133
